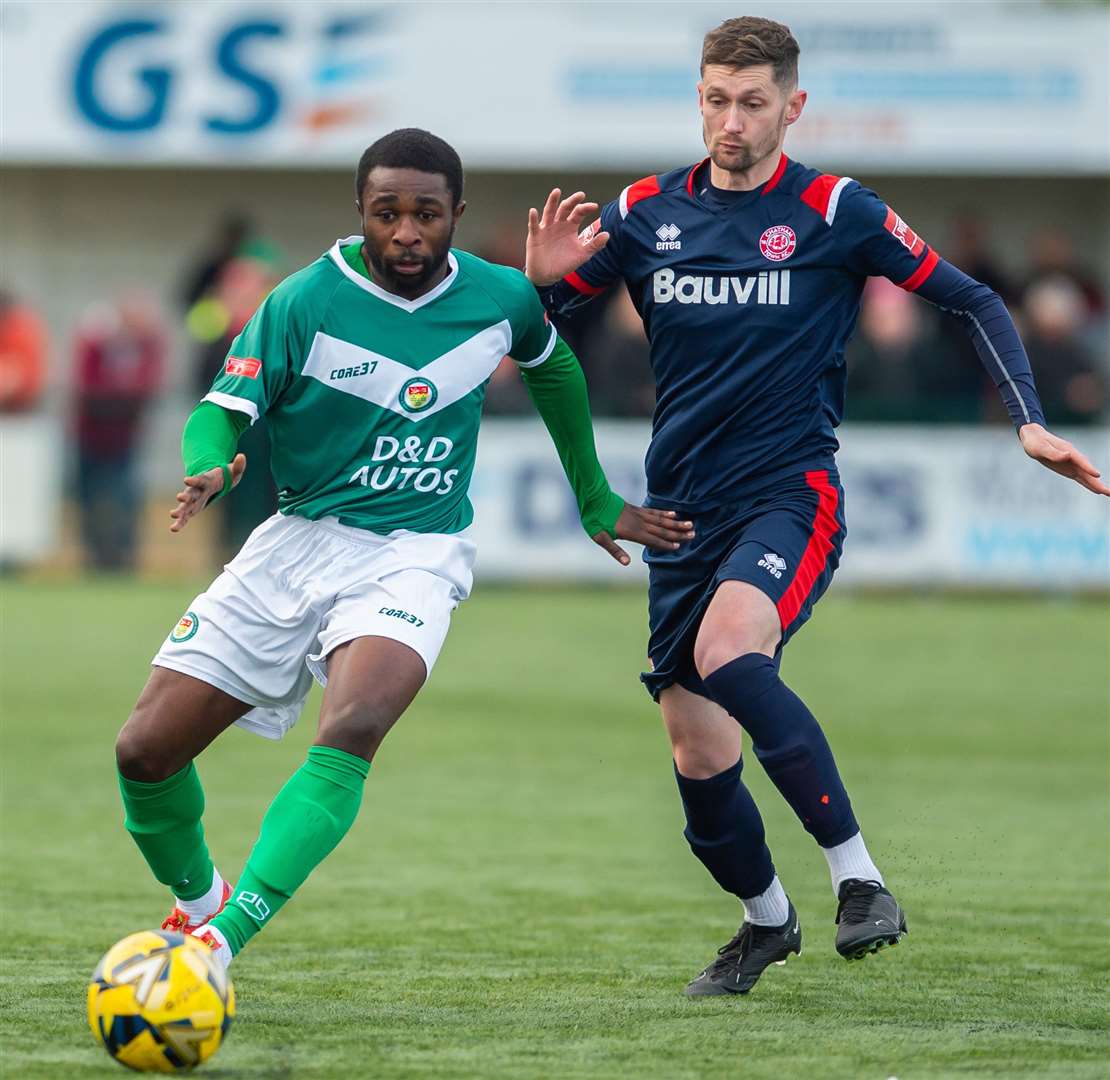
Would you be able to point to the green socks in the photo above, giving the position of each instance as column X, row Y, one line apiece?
column 164, row 818
column 309, row 816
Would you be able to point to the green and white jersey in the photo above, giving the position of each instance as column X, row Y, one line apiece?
column 373, row 402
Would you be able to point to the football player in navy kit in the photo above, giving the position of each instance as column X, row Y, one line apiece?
column 747, row 269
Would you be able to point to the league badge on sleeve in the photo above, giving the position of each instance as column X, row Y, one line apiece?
column 247, row 366
column 903, row 233
column 186, row 627
column 778, row 243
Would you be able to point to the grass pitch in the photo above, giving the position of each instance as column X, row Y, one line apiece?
column 516, row 899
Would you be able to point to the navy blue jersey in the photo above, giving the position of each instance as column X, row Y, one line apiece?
column 748, row 300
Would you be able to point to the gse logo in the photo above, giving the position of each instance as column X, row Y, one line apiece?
column 132, row 73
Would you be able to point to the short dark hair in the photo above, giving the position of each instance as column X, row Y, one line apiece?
column 750, row 41
column 412, row 148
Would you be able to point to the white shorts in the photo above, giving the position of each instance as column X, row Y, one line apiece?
column 299, row 589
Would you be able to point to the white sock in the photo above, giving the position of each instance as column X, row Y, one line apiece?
column 769, row 908
column 851, row 860
column 204, row 907
column 223, row 953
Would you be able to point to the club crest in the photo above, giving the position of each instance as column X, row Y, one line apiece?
column 778, row 243
column 418, row 395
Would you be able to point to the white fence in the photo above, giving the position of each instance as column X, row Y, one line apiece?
column 925, row 506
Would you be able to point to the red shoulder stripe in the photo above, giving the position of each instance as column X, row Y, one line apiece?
column 637, row 192
column 819, row 192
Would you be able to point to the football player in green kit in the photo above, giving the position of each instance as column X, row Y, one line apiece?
column 370, row 366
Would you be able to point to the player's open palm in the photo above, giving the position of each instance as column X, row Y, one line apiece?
column 659, row 530
column 1060, row 456
column 199, row 490
column 557, row 242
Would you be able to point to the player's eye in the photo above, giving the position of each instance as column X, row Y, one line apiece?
column 385, row 215
column 428, row 215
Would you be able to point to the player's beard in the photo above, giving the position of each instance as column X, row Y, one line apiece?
column 749, row 156
column 408, row 284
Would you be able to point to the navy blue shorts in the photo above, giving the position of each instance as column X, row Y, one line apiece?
column 784, row 539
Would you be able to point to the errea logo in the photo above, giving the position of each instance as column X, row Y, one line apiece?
column 773, row 564
column 668, row 238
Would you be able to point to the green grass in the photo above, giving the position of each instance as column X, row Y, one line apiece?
column 516, row 899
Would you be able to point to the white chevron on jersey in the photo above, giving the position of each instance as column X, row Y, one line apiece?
column 454, row 374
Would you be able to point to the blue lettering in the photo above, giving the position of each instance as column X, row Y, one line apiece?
column 1043, row 547
column 230, row 63
column 543, row 503
column 155, row 79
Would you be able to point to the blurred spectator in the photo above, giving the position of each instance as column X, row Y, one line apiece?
column 969, row 250
column 234, row 283
column 506, row 394
column 617, row 362
column 121, row 355
column 504, row 244
column 234, row 232
column 1072, row 388
column 1054, row 257
column 22, row 355
column 899, row 371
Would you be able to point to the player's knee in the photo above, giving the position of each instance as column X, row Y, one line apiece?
column 357, row 726
column 713, row 650
column 142, row 756
column 700, row 760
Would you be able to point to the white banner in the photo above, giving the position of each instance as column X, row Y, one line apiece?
column 31, row 449
column 894, row 87
column 925, row 506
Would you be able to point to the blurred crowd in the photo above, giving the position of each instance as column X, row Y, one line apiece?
column 908, row 362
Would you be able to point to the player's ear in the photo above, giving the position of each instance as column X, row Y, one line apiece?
column 458, row 211
column 701, row 88
column 795, row 104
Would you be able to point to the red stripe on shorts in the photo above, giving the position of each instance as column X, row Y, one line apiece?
column 817, row 550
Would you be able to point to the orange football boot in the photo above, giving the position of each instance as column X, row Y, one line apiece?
column 179, row 922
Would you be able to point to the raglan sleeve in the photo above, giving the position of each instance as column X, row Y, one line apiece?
column 879, row 243
column 596, row 275
column 265, row 354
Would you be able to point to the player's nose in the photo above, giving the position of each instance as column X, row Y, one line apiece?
column 406, row 234
column 734, row 121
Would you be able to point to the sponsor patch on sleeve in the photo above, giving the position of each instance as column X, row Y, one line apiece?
column 903, row 233
column 247, row 366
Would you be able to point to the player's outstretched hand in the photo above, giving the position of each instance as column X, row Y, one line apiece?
column 200, row 489
column 1060, row 456
column 659, row 530
column 557, row 243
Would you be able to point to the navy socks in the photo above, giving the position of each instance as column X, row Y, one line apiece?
column 790, row 745
column 725, row 831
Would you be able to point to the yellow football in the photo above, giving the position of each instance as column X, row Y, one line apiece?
column 160, row 1002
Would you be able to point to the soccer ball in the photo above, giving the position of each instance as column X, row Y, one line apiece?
column 160, row 1002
